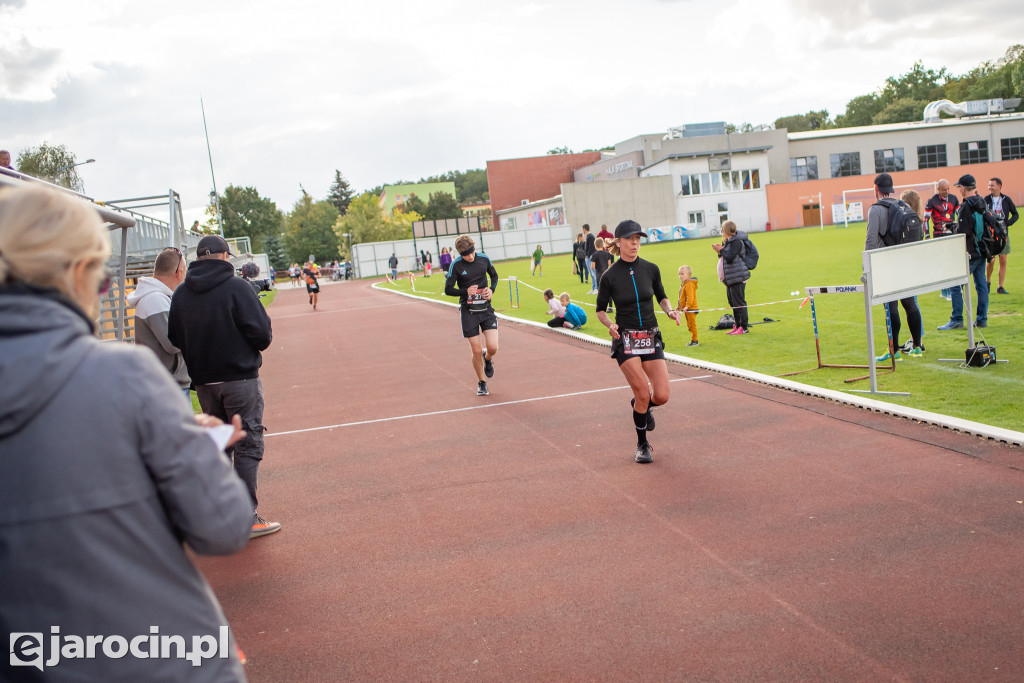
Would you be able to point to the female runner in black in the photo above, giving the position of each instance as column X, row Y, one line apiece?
column 633, row 284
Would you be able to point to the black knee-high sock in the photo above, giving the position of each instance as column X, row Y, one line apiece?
column 640, row 422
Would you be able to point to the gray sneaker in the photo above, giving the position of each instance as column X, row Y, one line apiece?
column 488, row 367
column 481, row 388
column 644, row 453
column 261, row 527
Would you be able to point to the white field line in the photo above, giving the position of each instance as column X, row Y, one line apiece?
column 462, row 410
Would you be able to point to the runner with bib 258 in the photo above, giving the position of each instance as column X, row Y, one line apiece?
column 633, row 285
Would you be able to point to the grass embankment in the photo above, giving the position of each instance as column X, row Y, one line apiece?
column 792, row 260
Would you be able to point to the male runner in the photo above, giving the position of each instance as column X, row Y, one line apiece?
column 467, row 279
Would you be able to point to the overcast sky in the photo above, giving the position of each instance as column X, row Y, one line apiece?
column 398, row 89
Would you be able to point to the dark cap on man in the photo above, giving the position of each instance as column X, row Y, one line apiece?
column 967, row 180
column 884, row 183
column 629, row 227
column 213, row 244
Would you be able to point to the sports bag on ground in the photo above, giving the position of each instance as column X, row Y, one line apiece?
column 726, row 322
column 904, row 225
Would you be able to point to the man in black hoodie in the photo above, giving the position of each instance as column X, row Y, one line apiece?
column 221, row 327
column 972, row 203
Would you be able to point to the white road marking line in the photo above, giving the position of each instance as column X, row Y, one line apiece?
column 460, row 410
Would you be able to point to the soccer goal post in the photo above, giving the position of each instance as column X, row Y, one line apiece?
column 856, row 202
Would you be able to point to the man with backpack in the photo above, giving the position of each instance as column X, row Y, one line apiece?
column 891, row 221
column 972, row 208
column 1003, row 209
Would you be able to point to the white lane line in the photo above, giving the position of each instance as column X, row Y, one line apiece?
column 460, row 410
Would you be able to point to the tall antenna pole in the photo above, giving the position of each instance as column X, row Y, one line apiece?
column 216, row 197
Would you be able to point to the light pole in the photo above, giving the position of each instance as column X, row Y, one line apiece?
column 80, row 163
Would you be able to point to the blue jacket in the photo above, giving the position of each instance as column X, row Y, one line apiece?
column 575, row 315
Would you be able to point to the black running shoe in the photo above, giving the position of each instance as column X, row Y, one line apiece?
column 488, row 367
column 650, row 414
column 481, row 388
column 644, row 453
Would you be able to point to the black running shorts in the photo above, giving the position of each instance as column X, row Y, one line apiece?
column 475, row 323
column 657, row 348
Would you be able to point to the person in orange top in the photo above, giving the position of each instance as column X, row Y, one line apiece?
column 688, row 302
column 310, row 271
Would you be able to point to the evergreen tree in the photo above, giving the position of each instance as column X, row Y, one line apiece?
column 340, row 193
column 275, row 253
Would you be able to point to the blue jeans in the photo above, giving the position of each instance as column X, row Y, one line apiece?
column 976, row 267
column 593, row 274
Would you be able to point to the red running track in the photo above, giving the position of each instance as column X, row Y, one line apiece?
column 775, row 537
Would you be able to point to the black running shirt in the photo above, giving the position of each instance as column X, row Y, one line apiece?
column 464, row 274
column 633, row 287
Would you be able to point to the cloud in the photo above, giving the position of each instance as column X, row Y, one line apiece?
column 26, row 71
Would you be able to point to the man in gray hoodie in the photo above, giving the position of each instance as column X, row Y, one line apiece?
column 152, row 302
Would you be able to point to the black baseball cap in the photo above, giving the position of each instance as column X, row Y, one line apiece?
column 967, row 180
column 627, row 228
column 884, row 183
column 213, row 244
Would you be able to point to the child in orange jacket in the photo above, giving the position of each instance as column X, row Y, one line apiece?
column 688, row 302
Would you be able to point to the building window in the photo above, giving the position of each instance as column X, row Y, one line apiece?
column 844, row 164
column 721, row 181
column 931, row 156
column 803, row 168
column 696, row 218
column 723, row 212
column 889, row 160
column 1012, row 148
column 974, row 152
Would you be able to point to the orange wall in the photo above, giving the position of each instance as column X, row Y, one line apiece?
column 786, row 199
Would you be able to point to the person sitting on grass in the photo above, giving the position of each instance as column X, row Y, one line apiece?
column 555, row 308
column 575, row 317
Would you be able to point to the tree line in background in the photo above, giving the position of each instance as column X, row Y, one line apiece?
column 327, row 228
column 903, row 98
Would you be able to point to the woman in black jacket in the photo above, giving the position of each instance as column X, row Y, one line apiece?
column 736, row 274
column 579, row 253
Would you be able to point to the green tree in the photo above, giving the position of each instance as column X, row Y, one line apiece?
column 340, row 193
column 275, row 253
column 473, row 188
column 365, row 222
column 309, row 229
column 917, row 84
column 812, row 120
column 860, row 110
column 414, row 204
column 53, row 163
column 246, row 214
column 442, row 205
column 901, row 111
column 560, row 150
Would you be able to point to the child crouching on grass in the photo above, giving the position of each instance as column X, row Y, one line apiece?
column 688, row 301
column 575, row 317
column 555, row 308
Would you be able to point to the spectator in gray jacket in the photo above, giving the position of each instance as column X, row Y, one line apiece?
column 151, row 300
column 104, row 473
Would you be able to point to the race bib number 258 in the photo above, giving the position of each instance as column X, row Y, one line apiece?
column 638, row 342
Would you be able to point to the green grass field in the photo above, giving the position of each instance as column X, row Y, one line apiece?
column 791, row 260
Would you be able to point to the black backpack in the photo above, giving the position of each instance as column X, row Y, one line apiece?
column 990, row 233
column 904, row 225
column 749, row 253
